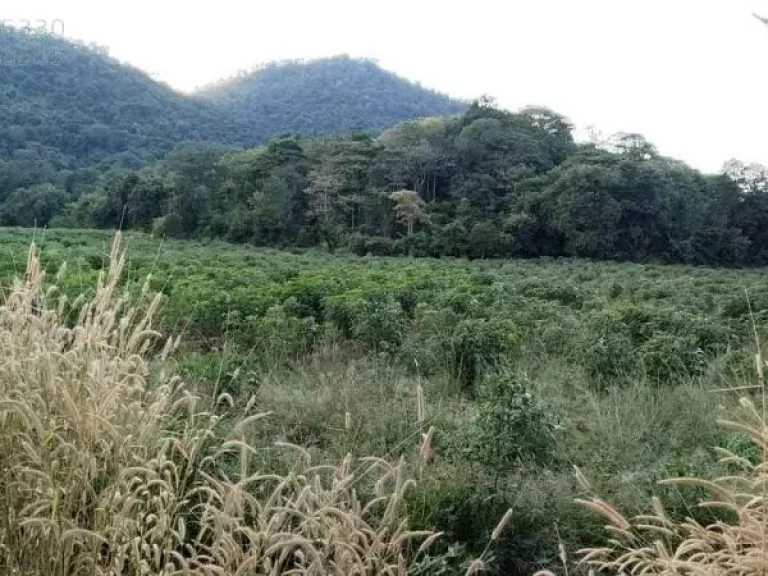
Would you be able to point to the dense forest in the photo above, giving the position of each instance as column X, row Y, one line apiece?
column 325, row 96
column 88, row 142
column 489, row 183
column 69, row 113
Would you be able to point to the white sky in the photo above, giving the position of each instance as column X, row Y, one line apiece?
column 688, row 74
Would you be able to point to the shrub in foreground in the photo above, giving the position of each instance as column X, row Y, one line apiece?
column 656, row 543
column 510, row 427
column 110, row 467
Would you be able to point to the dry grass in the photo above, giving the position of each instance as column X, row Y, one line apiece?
column 655, row 544
column 108, row 466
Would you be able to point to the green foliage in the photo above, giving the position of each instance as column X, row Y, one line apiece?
column 609, row 356
column 230, row 373
column 510, row 427
column 70, row 113
column 380, row 322
column 33, row 206
column 373, row 245
column 363, row 355
column 278, row 335
column 436, row 316
column 325, row 95
column 443, row 178
column 476, row 345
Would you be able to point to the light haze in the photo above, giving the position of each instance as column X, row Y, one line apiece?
column 689, row 75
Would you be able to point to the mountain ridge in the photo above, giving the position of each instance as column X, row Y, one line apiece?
column 325, row 95
column 55, row 88
column 70, row 111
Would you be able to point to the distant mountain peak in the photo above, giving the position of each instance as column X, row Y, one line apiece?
column 326, row 95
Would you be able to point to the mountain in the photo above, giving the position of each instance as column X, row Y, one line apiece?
column 324, row 96
column 77, row 101
column 69, row 112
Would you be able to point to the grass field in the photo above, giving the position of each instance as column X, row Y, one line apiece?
column 525, row 370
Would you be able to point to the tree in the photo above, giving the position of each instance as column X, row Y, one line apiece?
column 584, row 210
column 408, row 207
column 325, row 184
column 485, row 240
column 146, row 201
column 33, row 206
column 751, row 178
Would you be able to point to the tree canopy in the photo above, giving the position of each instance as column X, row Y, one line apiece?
column 86, row 141
column 488, row 183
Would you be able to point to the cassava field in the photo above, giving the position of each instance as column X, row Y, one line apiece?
column 494, row 385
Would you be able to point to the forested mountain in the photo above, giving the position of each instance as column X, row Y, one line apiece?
column 79, row 100
column 69, row 112
column 326, row 95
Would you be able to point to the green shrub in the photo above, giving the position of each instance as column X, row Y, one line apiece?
column 665, row 355
column 408, row 300
column 510, row 427
column 306, row 300
column 373, row 245
column 609, row 356
column 476, row 345
column 231, row 373
column 279, row 336
column 341, row 312
column 380, row 322
column 465, row 512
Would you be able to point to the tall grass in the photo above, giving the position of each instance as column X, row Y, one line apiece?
column 735, row 543
column 109, row 466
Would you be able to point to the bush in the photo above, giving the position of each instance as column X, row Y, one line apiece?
column 380, row 323
column 280, row 337
column 609, row 356
column 510, row 428
column 341, row 312
column 233, row 374
column 476, row 345
column 373, row 245
column 665, row 356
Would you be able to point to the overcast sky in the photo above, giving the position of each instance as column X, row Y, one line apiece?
column 688, row 74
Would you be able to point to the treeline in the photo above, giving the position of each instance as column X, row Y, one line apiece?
column 486, row 184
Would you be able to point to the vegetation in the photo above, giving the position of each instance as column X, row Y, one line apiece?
column 69, row 114
column 330, row 409
column 486, row 184
column 112, row 468
column 121, row 151
column 488, row 380
column 324, row 96
column 654, row 543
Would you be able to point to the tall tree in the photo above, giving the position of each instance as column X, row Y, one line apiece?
column 409, row 208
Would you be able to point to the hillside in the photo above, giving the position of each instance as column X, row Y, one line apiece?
column 69, row 113
column 71, row 105
column 326, row 95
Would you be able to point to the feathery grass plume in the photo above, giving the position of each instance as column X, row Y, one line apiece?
column 501, row 525
column 654, row 544
column 477, row 566
column 109, row 469
column 421, row 405
column 425, row 447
